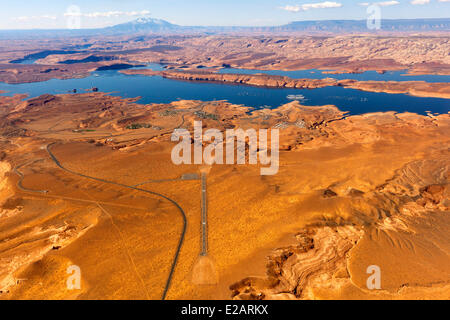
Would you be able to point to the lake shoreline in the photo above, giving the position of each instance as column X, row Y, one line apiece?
column 414, row 88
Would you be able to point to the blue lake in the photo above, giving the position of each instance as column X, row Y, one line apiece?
column 159, row 90
column 364, row 76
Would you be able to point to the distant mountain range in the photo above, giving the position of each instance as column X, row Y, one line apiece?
column 158, row 26
column 144, row 25
column 361, row 25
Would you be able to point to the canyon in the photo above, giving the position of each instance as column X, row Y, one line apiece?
column 414, row 88
column 381, row 199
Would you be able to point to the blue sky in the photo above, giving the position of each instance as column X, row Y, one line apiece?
column 49, row 14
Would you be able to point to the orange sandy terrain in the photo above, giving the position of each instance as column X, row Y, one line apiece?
column 419, row 54
column 352, row 191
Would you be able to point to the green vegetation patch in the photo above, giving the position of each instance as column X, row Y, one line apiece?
column 205, row 115
column 135, row 126
column 168, row 113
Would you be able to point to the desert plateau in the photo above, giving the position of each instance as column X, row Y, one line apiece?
column 357, row 124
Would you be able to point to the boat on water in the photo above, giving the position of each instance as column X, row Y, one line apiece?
column 296, row 97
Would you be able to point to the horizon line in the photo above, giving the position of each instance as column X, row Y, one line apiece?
column 223, row 26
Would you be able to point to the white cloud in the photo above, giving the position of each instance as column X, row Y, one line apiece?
column 444, row 0
column 308, row 6
column 381, row 3
column 387, row 3
column 107, row 14
column 291, row 8
column 321, row 5
column 420, row 2
column 30, row 18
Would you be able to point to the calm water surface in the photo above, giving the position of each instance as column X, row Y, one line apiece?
column 159, row 90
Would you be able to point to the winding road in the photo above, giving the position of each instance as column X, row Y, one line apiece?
column 183, row 214
column 21, row 177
